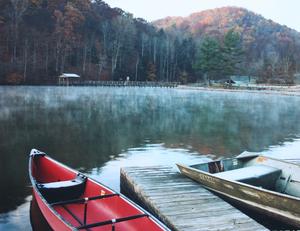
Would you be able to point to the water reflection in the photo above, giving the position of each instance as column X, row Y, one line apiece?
column 149, row 155
column 17, row 219
column 99, row 129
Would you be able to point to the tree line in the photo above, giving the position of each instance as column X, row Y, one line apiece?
column 271, row 52
column 40, row 39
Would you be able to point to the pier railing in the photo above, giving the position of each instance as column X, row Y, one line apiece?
column 120, row 83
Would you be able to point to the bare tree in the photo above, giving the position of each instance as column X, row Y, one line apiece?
column 25, row 59
column 273, row 62
column 137, row 67
column 19, row 7
column 101, row 64
column 124, row 34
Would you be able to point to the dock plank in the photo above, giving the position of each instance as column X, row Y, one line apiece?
column 181, row 203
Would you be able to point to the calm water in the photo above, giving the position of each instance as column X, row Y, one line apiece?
column 99, row 130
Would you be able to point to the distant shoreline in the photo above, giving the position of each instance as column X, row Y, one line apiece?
column 269, row 90
column 263, row 89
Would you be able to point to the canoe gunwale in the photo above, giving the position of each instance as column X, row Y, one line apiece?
column 271, row 158
column 70, row 226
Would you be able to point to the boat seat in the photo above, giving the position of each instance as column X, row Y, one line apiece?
column 258, row 175
column 63, row 190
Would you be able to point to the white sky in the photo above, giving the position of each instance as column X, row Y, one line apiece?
column 285, row 12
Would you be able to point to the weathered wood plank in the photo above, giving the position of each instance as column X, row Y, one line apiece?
column 181, row 203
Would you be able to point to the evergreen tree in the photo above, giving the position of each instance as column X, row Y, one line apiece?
column 231, row 53
column 209, row 58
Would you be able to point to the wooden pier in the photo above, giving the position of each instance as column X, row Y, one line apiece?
column 182, row 204
column 118, row 83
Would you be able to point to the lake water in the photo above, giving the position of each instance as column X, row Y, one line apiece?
column 98, row 130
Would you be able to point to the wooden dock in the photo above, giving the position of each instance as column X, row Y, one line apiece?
column 96, row 83
column 182, row 204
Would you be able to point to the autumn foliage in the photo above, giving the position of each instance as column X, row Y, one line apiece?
column 40, row 39
column 266, row 44
column 14, row 78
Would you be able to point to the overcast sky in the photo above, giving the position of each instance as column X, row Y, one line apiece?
column 286, row 12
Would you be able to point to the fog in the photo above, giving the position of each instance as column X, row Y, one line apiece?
column 100, row 129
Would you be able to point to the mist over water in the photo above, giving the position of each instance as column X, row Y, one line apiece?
column 99, row 130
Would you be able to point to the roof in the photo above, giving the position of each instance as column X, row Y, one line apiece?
column 69, row 75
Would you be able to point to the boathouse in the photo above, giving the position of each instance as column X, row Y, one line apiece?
column 67, row 79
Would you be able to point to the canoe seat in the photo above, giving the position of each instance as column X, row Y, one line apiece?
column 63, row 190
column 258, row 175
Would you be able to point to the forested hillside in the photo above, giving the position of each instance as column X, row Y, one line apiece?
column 40, row 39
column 271, row 51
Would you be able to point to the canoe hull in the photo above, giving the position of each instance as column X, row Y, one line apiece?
column 279, row 206
column 52, row 219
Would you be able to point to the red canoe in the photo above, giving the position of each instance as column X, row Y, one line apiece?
column 69, row 200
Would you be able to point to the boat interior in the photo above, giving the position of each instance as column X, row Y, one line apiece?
column 258, row 171
column 83, row 203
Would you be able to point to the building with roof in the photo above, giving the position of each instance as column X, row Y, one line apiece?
column 67, row 78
